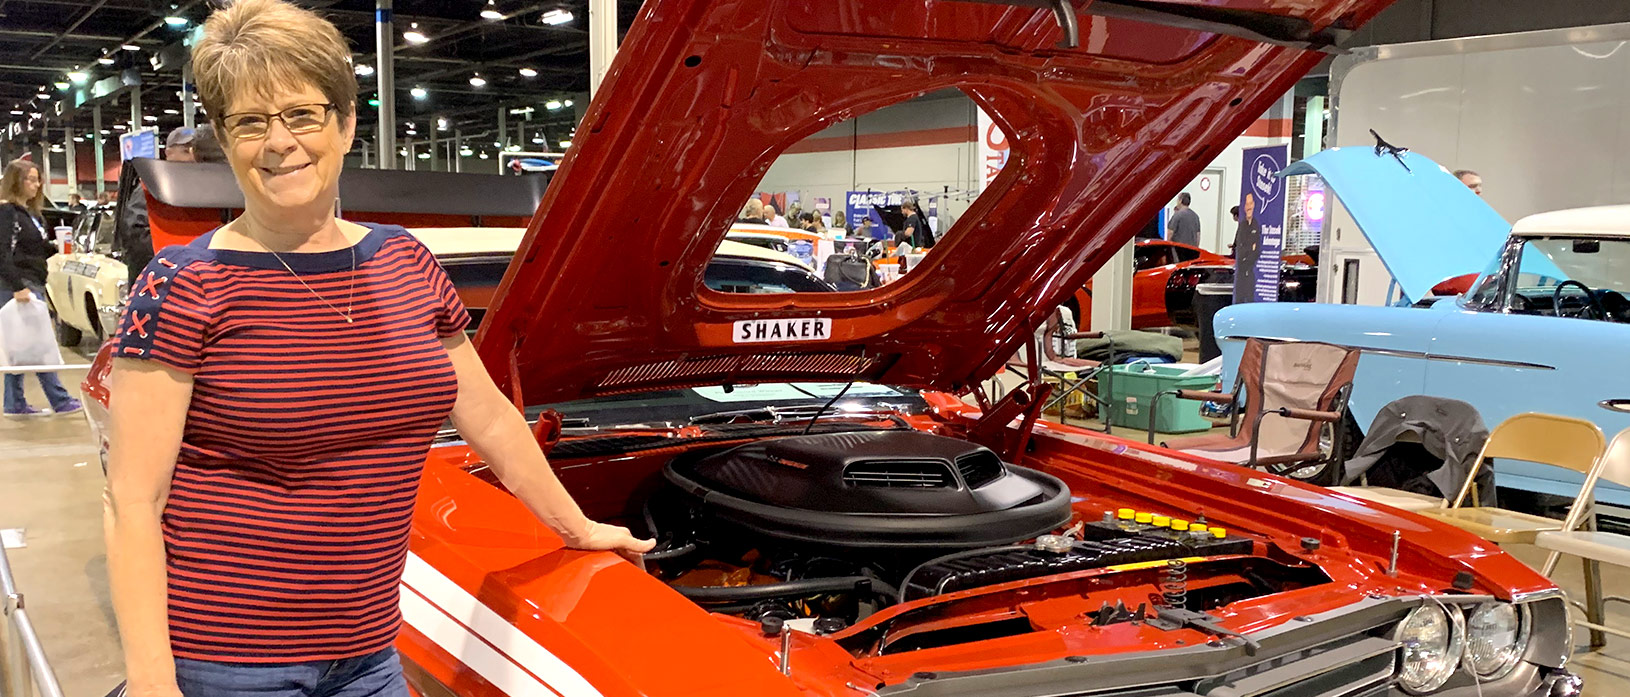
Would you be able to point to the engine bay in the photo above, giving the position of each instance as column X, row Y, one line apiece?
column 826, row 530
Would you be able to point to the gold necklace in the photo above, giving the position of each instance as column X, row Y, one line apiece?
column 351, row 294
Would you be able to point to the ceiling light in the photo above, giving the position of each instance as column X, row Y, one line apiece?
column 43, row 95
column 16, row 112
column 520, row 111
column 106, row 132
column 556, row 17
column 528, row 72
column 413, row 35
column 79, row 139
column 149, row 117
column 105, row 60
column 424, row 155
column 552, row 104
column 363, row 69
column 565, row 144
column 477, row 81
column 568, row 102
column 466, row 151
column 537, row 139
column 78, row 76
column 63, row 85
column 441, row 123
column 412, row 132
column 402, row 152
column 56, row 147
column 483, row 155
column 119, row 126
column 418, row 92
column 513, row 148
column 175, row 21
column 130, row 47
column 491, row 11
column 171, row 112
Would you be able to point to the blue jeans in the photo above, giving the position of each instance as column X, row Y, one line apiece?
column 54, row 391
column 378, row 674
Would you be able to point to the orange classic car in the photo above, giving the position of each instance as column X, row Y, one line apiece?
column 834, row 517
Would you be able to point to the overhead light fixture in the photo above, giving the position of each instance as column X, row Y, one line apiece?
column 424, row 155
column 16, row 112
column 556, row 17
column 441, row 123
column 105, row 60
column 513, row 148
column 565, row 144
column 418, row 92
column 477, row 81
column 568, row 102
column 537, row 139
column 130, row 47
column 491, row 11
column 63, row 85
column 363, row 69
column 466, row 151
column 118, row 126
column 78, row 76
column 79, row 139
column 149, row 117
column 520, row 111
column 413, row 35
column 412, row 132
column 402, row 152
column 552, row 104
column 106, row 132
column 43, row 95
column 171, row 112
column 373, row 101
column 57, row 147
column 176, row 21
column 528, row 72
column 484, row 155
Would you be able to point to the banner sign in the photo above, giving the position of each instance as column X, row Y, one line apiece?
column 860, row 207
column 993, row 148
column 1260, row 241
column 142, row 143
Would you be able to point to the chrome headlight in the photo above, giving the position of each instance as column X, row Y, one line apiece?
column 1433, row 647
column 1496, row 637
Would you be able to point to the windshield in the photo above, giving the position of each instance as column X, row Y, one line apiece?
column 1601, row 264
column 677, row 407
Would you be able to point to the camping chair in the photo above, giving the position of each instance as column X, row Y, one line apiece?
column 1547, row 439
column 1285, row 395
column 1071, row 374
column 1589, row 544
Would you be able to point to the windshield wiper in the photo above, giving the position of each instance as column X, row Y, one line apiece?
column 781, row 415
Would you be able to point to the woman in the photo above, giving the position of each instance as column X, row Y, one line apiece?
column 24, row 247
column 277, row 386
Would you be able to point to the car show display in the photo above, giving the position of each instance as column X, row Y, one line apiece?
column 882, row 456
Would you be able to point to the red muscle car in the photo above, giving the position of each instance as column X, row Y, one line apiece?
column 832, row 519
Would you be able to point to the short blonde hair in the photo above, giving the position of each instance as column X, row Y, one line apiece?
column 266, row 45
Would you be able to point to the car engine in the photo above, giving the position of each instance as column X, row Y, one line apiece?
column 840, row 525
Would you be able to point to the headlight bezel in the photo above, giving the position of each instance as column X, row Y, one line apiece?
column 1454, row 651
column 1519, row 648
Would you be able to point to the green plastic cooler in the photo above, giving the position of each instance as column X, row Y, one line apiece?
column 1133, row 389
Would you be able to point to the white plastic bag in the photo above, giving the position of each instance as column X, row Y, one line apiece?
column 26, row 334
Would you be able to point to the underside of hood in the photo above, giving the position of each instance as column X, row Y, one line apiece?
column 1425, row 225
column 605, row 294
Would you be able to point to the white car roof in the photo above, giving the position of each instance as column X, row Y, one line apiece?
column 730, row 248
column 465, row 241
column 1596, row 221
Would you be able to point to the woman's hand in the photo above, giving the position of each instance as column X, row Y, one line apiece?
column 22, row 296
column 613, row 538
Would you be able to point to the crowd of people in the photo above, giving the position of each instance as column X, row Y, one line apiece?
column 914, row 233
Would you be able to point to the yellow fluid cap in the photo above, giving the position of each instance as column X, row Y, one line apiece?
column 1124, row 514
column 1180, row 525
column 1146, row 517
column 1197, row 528
column 1162, row 521
column 1219, row 533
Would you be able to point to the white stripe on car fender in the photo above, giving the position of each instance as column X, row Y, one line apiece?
column 496, row 650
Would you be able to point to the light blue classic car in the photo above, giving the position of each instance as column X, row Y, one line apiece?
column 1545, row 327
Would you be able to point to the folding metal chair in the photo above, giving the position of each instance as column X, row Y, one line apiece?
column 1579, row 537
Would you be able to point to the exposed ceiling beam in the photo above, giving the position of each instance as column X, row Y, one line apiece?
column 87, row 15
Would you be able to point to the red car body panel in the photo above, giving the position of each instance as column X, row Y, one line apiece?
column 494, row 604
column 1149, row 284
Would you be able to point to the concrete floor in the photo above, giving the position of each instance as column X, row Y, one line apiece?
column 51, row 487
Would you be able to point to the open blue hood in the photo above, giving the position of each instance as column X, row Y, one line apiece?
column 1425, row 225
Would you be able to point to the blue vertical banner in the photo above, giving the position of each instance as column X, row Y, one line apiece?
column 1260, row 240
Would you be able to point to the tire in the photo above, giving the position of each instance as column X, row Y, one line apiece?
column 94, row 314
column 68, row 336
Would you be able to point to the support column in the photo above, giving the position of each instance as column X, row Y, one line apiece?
column 96, row 142
column 135, row 108
column 1112, row 293
column 73, row 159
column 385, row 78
column 45, row 158
column 435, row 154
column 411, row 162
column 458, row 150
column 503, row 127
column 188, row 108
column 602, row 40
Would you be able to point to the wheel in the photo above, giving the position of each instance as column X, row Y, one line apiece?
column 67, row 335
column 94, row 314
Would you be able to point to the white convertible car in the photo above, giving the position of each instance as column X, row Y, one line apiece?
column 87, row 285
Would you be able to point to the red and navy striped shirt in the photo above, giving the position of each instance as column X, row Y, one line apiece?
column 286, row 527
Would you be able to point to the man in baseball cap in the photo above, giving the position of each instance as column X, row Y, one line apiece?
column 178, row 147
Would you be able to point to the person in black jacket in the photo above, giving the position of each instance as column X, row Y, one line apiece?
column 24, row 247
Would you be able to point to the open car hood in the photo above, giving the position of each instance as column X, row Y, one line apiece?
column 1425, row 225
column 605, row 295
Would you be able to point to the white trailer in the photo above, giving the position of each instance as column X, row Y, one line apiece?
column 1543, row 116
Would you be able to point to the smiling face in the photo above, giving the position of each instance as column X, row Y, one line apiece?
column 284, row 174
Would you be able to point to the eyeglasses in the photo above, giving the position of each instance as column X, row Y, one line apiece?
column 250, row 125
